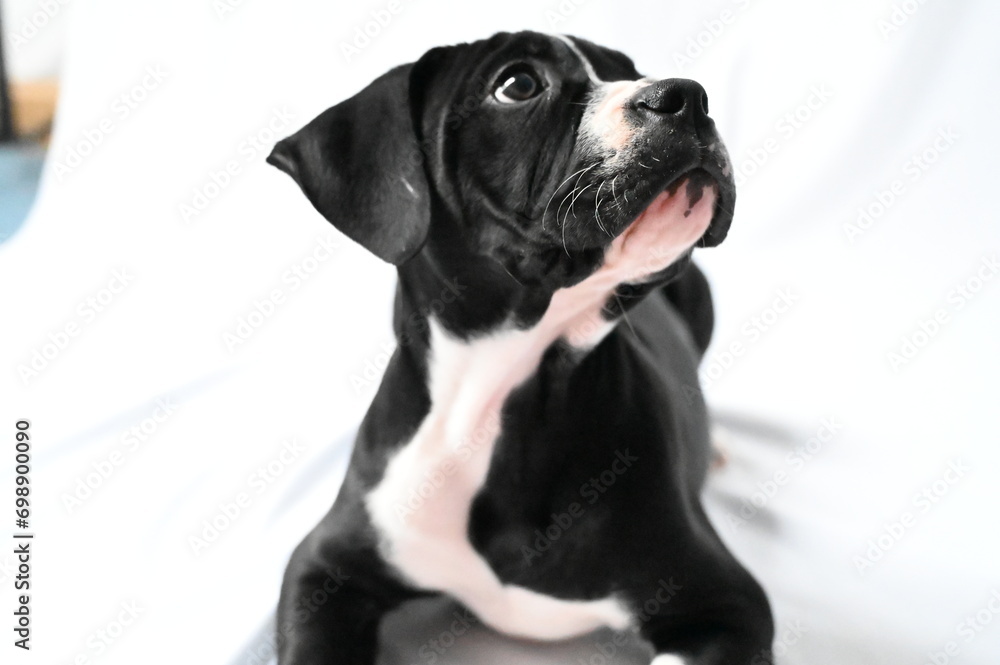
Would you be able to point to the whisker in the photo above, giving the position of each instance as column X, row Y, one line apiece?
column 625, row 315
column 572, row 191
column 576, row 197
column 566, row 216
column 597, row 208
column 559, row 209
column 556, row 191
column 511, row 276
column 582, row 174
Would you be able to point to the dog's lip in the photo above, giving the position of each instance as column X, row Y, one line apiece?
column 696, row 179
column 674, row 184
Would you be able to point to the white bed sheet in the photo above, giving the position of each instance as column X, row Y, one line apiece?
column 208, row 85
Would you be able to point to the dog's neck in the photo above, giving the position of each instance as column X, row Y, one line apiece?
column 472, row 299
column 466, row 299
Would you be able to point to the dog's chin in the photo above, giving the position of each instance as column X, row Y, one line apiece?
column 679, row 210
column 665, row 230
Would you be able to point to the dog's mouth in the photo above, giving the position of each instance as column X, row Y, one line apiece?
column 690, row 193
column 590, row 212
column 655, row 203
column 675, row 220
column 708, row 185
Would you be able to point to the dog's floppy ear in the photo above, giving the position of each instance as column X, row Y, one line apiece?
column 360, row 166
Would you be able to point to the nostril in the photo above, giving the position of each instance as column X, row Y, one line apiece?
column 672, row 102
column 673, row 98
column 669, row 101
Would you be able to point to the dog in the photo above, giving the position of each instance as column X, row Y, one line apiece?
column 538, row 443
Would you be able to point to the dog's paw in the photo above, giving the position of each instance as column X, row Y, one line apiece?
column 667, row 659
column 721, row 447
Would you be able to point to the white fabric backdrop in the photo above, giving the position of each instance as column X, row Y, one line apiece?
column 131, row 299
column 34, row 37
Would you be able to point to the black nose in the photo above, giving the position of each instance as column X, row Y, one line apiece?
column 673, row 98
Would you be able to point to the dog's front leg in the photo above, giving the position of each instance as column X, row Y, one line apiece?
column 333, row 598
column 720, row 618
column 748, row 644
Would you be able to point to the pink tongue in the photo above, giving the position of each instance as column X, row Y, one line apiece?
column 660, row 234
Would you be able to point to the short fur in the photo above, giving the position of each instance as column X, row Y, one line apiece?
column 507, row 208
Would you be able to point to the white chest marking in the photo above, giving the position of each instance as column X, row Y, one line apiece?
column 421, row 507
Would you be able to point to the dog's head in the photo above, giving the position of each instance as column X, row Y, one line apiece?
column 537, row 151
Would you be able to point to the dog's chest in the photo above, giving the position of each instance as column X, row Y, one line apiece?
column 421, row 507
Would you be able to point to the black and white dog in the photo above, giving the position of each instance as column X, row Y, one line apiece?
column 538, row 444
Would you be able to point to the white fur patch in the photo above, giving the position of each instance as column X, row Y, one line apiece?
column 603, row 123
column 667, row 659
column 421, row 507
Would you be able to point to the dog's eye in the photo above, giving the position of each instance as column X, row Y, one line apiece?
column 517, row 84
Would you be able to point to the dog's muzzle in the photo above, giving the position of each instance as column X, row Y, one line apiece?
column 674, row 113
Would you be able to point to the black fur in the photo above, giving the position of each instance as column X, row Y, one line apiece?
column 478, row 212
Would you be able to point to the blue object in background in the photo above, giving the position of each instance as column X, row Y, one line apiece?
column 20, row 171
